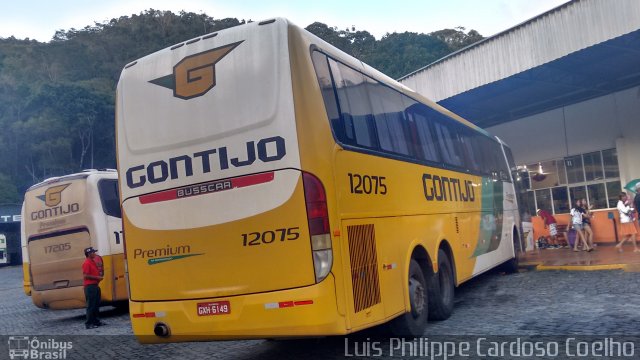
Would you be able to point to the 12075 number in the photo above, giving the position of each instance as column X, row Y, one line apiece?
column 270, row 236
column 367, row 184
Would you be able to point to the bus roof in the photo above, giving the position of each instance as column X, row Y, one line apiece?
column 369, row 70
column 81, row 175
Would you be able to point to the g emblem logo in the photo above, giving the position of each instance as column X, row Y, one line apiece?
column 53, row 195
column 195, row 75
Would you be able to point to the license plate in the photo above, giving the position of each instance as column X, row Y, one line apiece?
column 214, row 308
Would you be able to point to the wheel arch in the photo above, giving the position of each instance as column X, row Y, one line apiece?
column 424, row 259
column 515, row 236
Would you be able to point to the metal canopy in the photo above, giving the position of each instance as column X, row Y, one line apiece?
column 595, row 71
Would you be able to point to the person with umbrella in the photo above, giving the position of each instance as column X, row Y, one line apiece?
column 627, row 227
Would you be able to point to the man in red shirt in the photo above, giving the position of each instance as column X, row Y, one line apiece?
column 92, row 278
column 550, row 221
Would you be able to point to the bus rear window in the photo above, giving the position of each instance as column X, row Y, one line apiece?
column 109, row 197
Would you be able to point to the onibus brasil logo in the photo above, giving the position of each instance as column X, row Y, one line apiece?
column 25, row 347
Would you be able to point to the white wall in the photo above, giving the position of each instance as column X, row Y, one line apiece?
column 611, row 121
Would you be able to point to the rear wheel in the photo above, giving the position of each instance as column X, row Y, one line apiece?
column 121, row 305
column 511, row 266
column 414, row 322
column 441, row 289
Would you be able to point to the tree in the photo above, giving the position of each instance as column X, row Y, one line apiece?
column 456, row 38
column 398, row 54
column 57, row 99
column 8, row 191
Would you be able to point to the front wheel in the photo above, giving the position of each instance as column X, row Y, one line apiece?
column 441, row 289
column 414, row 322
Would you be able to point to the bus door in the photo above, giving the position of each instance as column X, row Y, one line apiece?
column 108, row 189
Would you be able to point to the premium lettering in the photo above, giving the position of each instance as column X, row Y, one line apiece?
column 440, row 188
column 264, row 150
column 161, row 252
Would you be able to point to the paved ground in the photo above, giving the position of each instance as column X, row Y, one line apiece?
column 605, row 256
column 554, row 303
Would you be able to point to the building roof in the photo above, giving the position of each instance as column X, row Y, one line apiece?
column 574, row 52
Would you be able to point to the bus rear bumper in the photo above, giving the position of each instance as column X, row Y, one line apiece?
column 59, row 299
column 302, row 312
column 63, row 298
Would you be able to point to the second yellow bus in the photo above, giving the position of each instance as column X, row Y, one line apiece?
column 61, row 217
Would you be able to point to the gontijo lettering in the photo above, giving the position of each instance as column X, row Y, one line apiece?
column 267, row 149
column 55, row 211
column 440, row 188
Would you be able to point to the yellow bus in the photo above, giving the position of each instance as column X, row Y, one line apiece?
column 61, row 217
column 26, row 277
column 273, row 186
column 4, row 255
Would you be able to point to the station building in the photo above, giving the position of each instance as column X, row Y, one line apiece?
column 563, row 90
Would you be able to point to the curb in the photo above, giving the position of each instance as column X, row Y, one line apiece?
column 541, row 267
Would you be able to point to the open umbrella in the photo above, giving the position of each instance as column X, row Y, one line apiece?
column 631, row 185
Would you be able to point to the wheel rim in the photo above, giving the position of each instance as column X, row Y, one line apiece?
column 416, row 297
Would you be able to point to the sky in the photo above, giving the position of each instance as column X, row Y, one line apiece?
column 39, row 19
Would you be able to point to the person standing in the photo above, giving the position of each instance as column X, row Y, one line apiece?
column 550, row 221
column 92, row 278
column 636, row 200
column 576, row 223
column 586, row 222
column 627, row 228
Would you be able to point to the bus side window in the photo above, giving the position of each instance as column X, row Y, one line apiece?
column 387, row 109
column 492, row 158
column 504, row 168
column 108, row 190
column 341, row 126
column 478, row 149
column 427, row 149
column 467, row 150
column 363, row 130
column 448, row 144
column 353, row 103
column 511, row 163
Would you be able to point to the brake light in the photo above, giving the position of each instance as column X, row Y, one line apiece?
column 316, row 200
column 318, row 219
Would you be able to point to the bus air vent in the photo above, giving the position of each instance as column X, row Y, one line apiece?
column 364, row 266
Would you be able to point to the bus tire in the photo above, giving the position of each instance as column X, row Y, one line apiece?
column 414, row 322
column 511, row 266
column 121, row 305
column 441, row 289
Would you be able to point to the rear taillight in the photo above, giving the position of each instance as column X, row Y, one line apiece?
column 318, row 219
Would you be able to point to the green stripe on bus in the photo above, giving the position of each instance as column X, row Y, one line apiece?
column 169, row 258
